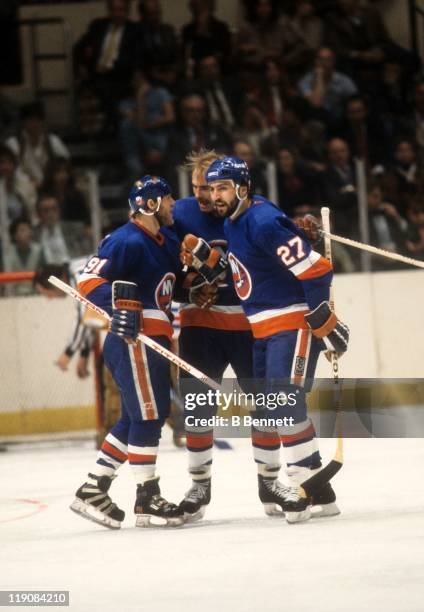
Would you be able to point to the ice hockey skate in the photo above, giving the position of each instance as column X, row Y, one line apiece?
column 323, row 503
column 281, row 500
column 153, row 510
column 93, row 503
column 195, row 500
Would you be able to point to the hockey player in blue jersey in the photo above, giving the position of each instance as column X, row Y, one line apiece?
column 283, row 285
column 132, row 278
column 215, row 332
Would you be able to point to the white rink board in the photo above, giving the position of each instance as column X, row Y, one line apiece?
column 369, row 558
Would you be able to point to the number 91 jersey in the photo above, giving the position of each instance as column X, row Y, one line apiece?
column 277, row 275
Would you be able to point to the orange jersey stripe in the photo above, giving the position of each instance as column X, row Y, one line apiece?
column 200, row 317
column 199, row 441
column 157, row 327
column 319, row 268
column 85, row 287
column 285, row 322
column 142, row 379
column 302, row 435
column 113, row 451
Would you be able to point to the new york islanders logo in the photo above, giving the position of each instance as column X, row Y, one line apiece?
column 163, row 293
column 241, row 277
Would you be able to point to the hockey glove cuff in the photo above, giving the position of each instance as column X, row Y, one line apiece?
column 326, row 325
column 126, row 310
column 199, row 292
column 209, row 262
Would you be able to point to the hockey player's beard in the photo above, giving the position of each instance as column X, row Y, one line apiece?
column 223, row 208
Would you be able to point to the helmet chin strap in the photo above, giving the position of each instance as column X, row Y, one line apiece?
column 241, row 201
column 153, row 212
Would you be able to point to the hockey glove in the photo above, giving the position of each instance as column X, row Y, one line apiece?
column 325, row 325
column 197, row 253
column 127, row 310
column 199, row 292
column 310, row 227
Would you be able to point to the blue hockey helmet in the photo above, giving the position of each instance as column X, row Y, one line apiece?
column 229, row 169
column 147, row 188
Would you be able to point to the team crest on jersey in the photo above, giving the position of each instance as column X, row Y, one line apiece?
column 241, row 277
column 163, row 293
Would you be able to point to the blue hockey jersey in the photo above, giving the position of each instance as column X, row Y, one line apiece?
column 227, row 312
column 277, row 275
column 132, row 253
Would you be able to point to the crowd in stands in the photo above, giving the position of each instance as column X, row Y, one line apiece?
column 310, row 85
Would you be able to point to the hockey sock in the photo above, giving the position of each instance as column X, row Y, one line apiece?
column 266, row 446
column 300, row 445
column 112, row 454
column 199, row 446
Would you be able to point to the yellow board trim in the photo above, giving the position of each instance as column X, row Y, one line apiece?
column 47, row 420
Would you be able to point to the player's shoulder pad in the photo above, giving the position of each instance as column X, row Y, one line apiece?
column 265, row 215
column 184, row 206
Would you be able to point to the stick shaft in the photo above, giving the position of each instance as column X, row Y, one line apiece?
column 371, row 249
column 325, row 216
column 143, row 338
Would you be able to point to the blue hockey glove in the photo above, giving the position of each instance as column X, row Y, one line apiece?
column 326, row 325
column 127, row 310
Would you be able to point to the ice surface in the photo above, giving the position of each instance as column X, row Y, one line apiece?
column 371, row 557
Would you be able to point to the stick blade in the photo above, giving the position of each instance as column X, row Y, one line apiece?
column 317, row 481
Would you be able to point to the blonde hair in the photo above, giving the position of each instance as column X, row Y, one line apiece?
column 201, row 160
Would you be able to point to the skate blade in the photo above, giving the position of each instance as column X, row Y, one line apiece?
column 151, row 521
column 323, row 510
column 273, row 510
column 91, row 514
column 298, row 517
column 196, row 516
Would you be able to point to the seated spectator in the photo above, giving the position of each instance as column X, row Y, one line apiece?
column 34, row 146
column 390, row 98
column 363, row 132
column 60, row 181
column 339, row 188
column 401, row 180
column 222, row 94
column 262, row 36
column 59, row 242
column 326, row 88
column 145, row 125
column 264, row 140
column 415, row 216
column 387, row 227
column 244, row 151
column 23, row 255
column 298, row 186
column 204, row 36
column 304, row 29
column 20, row 191
column 193, row 131
column 105, row 56
column 157, row 41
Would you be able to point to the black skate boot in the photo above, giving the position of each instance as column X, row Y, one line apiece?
column 323, row 503
column 152, row 510
column 93, row 503
column 273, row 493
column 196, row 499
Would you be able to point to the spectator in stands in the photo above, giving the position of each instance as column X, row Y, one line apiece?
column 244, row 151
column 145, row 125
column 204, row 35
column 60, row 181
column 262, row 36
column 304, row 30
column 413, row 125
column 105, row 56
column 402, row 178
column 363, row 132
column 388, row 228
column 59, row 243
column 264, row 140
column 34, row 146
column 222, row 94
column 157, row 41
column 415, row 216
column 23, row 255
column 339, row 187
column 390, row 99
column 20, row 191
column 326, row 88
column 298, row 186
column 193, row 131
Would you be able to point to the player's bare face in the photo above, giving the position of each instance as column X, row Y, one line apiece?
column 165, row 210
column 201, row 191
column 224, row 197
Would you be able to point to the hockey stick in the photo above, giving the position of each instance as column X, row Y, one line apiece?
column 367, row 247
column 142, row 337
